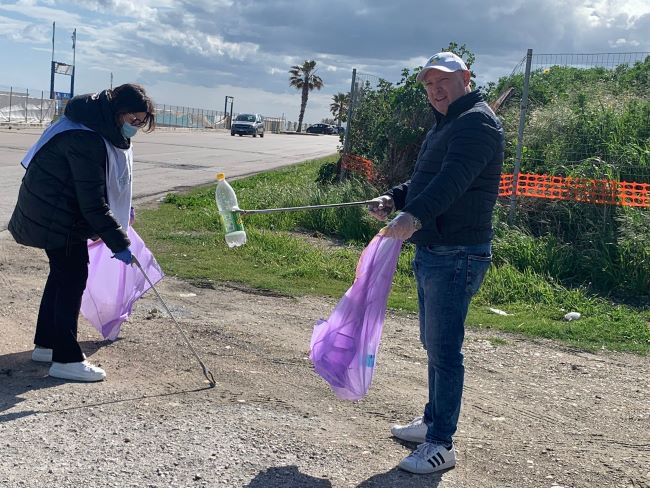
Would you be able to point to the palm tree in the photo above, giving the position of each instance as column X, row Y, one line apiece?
column 339, row 106
column 304, row 78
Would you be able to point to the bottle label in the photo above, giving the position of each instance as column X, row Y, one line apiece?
column 232, row 222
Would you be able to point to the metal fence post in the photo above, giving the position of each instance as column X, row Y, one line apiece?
column 520, row 137
column 346, row 140
column 11, row 93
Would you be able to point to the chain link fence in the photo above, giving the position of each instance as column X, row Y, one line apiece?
column 567, row 115
column 363, row 85
column 577, row 121
column 582, row 115
column 576, row 180
column 358, row 156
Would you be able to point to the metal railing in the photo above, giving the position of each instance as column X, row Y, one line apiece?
column 22, row 106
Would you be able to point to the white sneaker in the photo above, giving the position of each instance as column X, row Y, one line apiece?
column 416, row 431
column 429, row 458
column 83, row 371
column 42, row 355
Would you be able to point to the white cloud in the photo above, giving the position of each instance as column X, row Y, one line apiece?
column 608, row 13
column 141, row 9
column 215, row 45
column 38, row 13
column 622, row 42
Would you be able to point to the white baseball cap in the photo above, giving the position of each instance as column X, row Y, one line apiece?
column 444, row 61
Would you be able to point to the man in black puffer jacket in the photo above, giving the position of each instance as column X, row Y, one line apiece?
column 63, row 201
column 446, row 211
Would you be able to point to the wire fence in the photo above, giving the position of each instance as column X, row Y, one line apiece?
column 190, row 117
column 198, row 118
column 363, row 85
column 579, row 117
column 22, row 106
column 27, row 107
column 585, row 115
column 576, row 180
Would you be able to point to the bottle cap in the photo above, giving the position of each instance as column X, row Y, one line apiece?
column 221, row 176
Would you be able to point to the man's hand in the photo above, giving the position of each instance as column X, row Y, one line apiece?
column 132, row 216
column 401, row 227
column 125, row 256
column 381, row 207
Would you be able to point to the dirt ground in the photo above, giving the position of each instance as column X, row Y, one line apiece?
column 535, row 414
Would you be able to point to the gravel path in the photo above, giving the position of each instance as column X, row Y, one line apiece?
column 535, row 414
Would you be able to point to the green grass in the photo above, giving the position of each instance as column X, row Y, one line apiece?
column 282, row 255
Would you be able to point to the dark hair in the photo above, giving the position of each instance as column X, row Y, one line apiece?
column 131, row 98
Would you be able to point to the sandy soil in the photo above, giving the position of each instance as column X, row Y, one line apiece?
column 535, row 414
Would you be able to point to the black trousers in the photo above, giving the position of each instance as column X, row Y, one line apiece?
column 58, row 315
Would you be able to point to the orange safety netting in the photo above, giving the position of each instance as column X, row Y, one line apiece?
column 586, row 190
column 610, row 192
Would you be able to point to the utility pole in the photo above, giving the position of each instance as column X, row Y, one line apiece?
column 52, row 64
column 111, row 80
column 523, row 108
column 74, row 51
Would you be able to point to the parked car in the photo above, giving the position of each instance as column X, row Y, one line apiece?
column 248, row 124
column 321, row 129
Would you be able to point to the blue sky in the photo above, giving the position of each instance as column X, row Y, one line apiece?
column 195, row 52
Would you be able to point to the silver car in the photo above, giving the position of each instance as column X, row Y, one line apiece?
column 248, row 124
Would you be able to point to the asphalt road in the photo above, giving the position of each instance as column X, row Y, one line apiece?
column 168, row 160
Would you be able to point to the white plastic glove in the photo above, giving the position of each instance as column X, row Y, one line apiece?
column 381, row 207
column 402, row 227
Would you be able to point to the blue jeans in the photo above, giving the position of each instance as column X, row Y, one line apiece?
column 447, row 279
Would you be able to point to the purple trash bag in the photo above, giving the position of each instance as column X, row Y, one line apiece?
column 344, row 347
column 112, row 288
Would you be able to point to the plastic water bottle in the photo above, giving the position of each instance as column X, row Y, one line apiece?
column 228, row 206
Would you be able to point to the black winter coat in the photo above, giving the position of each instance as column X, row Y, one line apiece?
column 62, row 198
column 455, row 182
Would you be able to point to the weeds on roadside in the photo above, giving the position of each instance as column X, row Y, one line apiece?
column 186, row 236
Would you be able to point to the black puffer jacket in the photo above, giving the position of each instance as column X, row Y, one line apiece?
column 455, row 181
column 62, row 198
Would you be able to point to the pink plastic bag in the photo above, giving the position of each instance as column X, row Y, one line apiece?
column 344, row 347
column 112, row 288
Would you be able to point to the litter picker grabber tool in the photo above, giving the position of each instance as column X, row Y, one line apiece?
column 306, row 207
column 206, row 372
